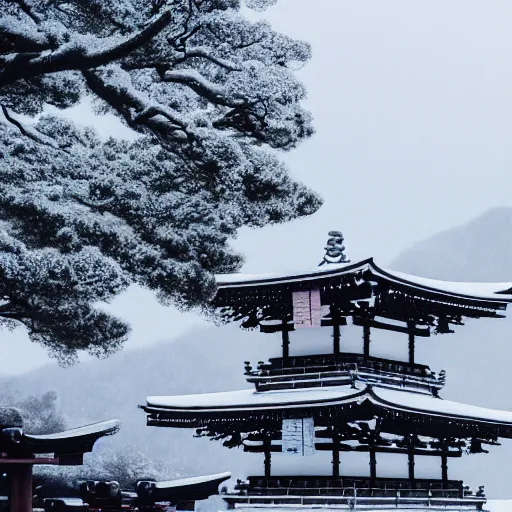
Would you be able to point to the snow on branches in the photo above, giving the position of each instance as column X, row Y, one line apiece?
column 213, row 98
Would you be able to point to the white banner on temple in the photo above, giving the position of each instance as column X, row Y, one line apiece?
column 307, row 309
column 298, row 436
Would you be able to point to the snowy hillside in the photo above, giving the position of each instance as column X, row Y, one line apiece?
column 480, row 250
column 203, row 360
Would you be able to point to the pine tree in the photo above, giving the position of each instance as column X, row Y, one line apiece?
column 213, row 99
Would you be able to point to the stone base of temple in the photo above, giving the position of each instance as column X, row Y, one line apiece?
column 353, row 493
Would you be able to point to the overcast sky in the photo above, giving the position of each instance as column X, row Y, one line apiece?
column 412, row 103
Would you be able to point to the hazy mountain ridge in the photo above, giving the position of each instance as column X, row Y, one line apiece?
column 477, row 360
column 480, row 250
column 204, row 360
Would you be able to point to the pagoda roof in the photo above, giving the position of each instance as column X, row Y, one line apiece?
column 193, row 411
column 500, row 292
column 361, row 288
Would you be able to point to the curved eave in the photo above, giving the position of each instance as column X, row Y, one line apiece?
column 498, row 293
column 413, row 404
column 227, row 281
column 269, row 400
column 194, row 480
column 76, row 440
column 428, row 406
column 485, row 292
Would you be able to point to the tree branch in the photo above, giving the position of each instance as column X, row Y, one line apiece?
column 23, row 34
column 25, row 7
column 203, row 87
column 27, row 131
column 201, row 53
column 78, row 56
column 125, row 99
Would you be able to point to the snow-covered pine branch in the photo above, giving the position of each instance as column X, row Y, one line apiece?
column 212, row 95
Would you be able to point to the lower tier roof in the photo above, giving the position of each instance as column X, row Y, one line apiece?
column 75, row 440
column 16, row 443
column 332, row 404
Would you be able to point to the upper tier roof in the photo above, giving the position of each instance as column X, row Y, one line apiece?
column 501, row 292
column 247, row 406
column 361, row 288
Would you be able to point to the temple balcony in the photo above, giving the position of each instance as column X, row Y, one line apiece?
column 350, row 492
column 341, row 369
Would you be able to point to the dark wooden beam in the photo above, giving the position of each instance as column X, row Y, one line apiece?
column 373, row 464
column 335, row 454
column 377, row 324
column 267, row 461
column 336, row 335
column 20, row 496
column 411, row 348
column 329, row 322
column 324, row 447
column 286, row 340
column 35, row 460
column 444, row 468
column 366, row 342
column 411, row 464
column 272, row 328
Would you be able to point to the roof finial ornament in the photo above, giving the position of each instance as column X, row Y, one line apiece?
column 334, row 250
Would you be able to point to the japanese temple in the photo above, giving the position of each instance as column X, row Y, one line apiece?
column 341, row 403
column 20, row 451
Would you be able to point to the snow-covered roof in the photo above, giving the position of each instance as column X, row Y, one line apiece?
column 182, row 482
column 249, row 400
column 501, row 292
column 102, row 428
column 72, row 441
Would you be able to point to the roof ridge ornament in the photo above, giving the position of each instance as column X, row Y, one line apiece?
column 334, row 250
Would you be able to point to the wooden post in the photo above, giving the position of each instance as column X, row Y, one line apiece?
column 336, row 334
column 21, row 488
column 444, row 469
column 411, row 464
column 335, row 454
column 411, row 326
column 267, row 460
column 286, row 340
column 373, row 464
column 366, row 341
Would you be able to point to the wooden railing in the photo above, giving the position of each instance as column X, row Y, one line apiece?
column 343, row 491
column 339, row 369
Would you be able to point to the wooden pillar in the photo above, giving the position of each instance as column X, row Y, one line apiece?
column 286, row 339
column 444, row 469
column 335, row 454
column 411, row 464
column 267, row 460
column 366, row 341
column 373, row 464
column 336, row 335
column 21, row 488
column 411, row 346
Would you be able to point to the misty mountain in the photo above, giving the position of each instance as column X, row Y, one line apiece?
column 476, row 357
column 204, row 360
column 480, row 250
